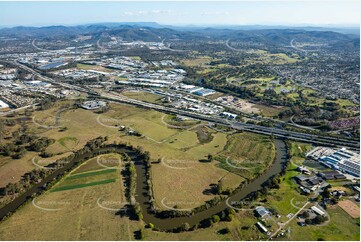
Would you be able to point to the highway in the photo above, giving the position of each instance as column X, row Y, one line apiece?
column 276, row 132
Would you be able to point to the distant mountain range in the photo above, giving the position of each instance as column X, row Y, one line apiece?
column 151, row 31
column 335, row 28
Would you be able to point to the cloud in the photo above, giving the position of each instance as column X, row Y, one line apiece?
column 148, row 12
column 216, row 13
column 128, row 13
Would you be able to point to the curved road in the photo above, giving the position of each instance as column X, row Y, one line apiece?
column 277, row 132
column 36, row 47
column 230, row 47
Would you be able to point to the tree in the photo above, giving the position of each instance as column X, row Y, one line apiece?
column 308, row 221
column 319, row 198
column 185, row 227
column 306, row 214
column 320, row 219
column 223, row 215
column 230, row 217
column 215, row 218
column 140, row 216
column 219, row 187
column 231, row 211
column 224, row 231
column 210, row 158
column 141, row 234
column 326, row 193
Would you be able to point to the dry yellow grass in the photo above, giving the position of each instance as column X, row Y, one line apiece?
column 184, row 183
column 79, row 216
column 12, row 170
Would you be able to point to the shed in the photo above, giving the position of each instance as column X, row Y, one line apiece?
column 261, row 227
column 317, row 210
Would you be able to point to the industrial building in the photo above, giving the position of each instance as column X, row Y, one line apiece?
column 204, row 92
column 228, row 115
column 343, row 160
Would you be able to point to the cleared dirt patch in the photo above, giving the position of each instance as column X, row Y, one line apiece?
column 349, row 207
column 204, row 135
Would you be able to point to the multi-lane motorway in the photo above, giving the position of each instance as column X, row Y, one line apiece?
column 276, row 132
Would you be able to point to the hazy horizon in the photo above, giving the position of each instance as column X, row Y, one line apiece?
column 351, row 26
column 268, row 13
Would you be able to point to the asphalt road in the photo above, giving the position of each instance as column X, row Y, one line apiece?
column 274, row 131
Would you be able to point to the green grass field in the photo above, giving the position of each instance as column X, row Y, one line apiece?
column 200, row 61
column 93, row 67
column 68, row 142
column 144, row 96
column 172, row 120
column 269, row 111
column 341, row 228
column 94, row 173
column 77, row 179
column 77, row 186
column 247, row 154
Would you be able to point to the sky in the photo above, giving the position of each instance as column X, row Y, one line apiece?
column 291, row 12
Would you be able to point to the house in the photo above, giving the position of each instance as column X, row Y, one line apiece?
column 314, row 181
column 304, row 170
column 261, row 211
column 301, row 178
column 338, row 193
column 305, row 190
column 308, row 183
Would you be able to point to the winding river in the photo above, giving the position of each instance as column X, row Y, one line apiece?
column 142, row 192
column 170, row 223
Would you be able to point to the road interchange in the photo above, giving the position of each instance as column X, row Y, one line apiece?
column 273, row 131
